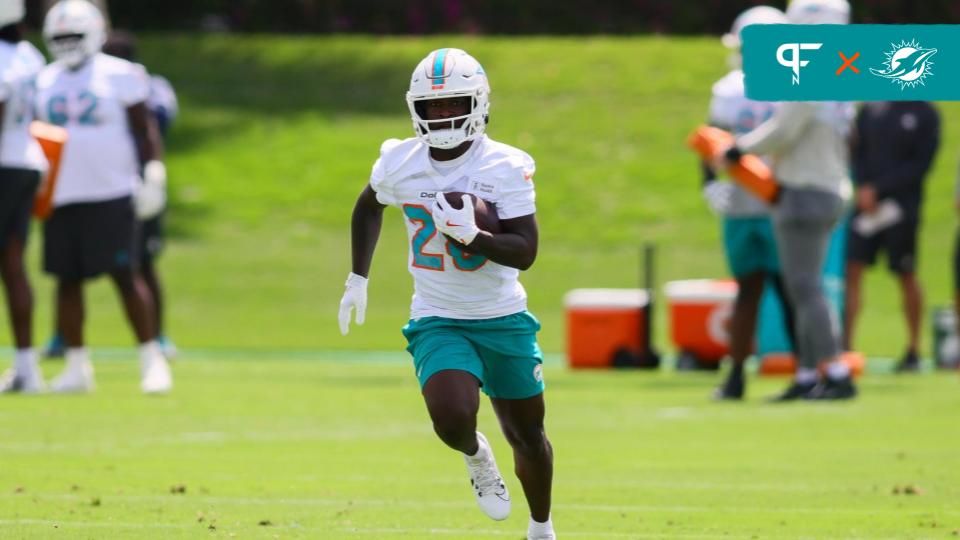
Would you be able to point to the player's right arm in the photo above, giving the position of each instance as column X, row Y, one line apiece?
column 365, row 228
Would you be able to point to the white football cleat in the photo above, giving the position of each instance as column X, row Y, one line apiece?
column 155, row 376
column 29, row 383
column 76, row 378
column 488, row 486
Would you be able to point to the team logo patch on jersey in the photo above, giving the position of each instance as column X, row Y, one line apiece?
column 538, row 373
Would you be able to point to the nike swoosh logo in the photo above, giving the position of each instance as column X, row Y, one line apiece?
column 449, row 224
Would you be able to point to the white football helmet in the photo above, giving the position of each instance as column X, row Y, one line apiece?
column 449, row 73
column 74, row 30
column 11, row 12
column 754, row 15
column 819, row 12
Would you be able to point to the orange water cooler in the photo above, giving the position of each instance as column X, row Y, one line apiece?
column 699, row 314
column 601, row 322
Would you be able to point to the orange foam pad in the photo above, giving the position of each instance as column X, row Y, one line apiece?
column 785, row 364
column 750, row 172
column 52, row 140
column 594, row 334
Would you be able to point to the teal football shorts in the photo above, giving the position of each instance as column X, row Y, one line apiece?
column 502, row 353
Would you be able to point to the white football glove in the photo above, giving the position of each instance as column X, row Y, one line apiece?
column 151, row 198
column 355, row 297
column 718, row 195
column 461, row 225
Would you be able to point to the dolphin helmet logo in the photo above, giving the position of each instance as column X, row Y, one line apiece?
column 908, row 64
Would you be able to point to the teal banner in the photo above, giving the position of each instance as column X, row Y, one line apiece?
column 858, row 62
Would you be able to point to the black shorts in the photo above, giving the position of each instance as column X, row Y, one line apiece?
column 85, row 240
column 899, row 241
column 17, row 190
column 150, row 239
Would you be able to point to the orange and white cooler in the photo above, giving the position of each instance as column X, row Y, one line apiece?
column 700, row 312
column 602, row 321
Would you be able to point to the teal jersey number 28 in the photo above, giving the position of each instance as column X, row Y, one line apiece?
column 462, row 260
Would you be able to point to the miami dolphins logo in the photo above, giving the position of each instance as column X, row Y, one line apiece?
column 908, row 64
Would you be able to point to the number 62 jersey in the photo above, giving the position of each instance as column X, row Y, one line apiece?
column 100, row 160
column 449, row 282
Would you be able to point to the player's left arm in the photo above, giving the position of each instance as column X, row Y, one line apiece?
column 145, row 132
column 516, row 246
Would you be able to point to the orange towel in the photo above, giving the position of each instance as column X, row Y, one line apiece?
column 750, row 172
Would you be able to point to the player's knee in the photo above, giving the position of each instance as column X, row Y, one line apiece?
column 454, row 427
column 804, row 288
column 530, row 441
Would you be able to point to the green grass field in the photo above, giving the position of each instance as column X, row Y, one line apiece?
column 280, row 428
column 339, row 446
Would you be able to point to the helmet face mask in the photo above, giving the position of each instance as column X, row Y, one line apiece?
column 74, row 30
column 446, row 74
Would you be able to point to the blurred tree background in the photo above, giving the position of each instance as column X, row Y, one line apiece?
column 475, row 16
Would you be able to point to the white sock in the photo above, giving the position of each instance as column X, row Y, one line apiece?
column 149, row 351
column 838, row 370
column 77, row 357
column 536, row 527
column 25, row 361
column 806, row 376
column 482, row 452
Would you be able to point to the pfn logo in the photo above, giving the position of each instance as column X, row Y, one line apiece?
column 794, row 62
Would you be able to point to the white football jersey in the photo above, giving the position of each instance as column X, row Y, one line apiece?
column 448, row 282
column 731, row 110
column 100, row 160
column 19, row 66
column 162, row 96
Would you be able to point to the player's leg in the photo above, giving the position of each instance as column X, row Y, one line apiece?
column 17, row 190
column 150, row 246
column 902, row 261
column 803, row 222
column 63, row 258
column 155, row 375
column 77, row 374
column 450, row 374
column 747, row 254
column 861, row 253
column 852, row 302
column 513, row 367
column 522, row 423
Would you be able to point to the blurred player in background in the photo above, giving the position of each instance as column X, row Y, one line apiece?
column 808, row 144
column 748, row 238
column 100, row 100
column 163, row 105
column 956, row 262
column 893, row 151
column 469, row 327
column 21, row 164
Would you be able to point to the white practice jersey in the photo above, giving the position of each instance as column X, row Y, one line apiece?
column 100, row 159
column 19, row 65
column 448, row 282
column 731, row 110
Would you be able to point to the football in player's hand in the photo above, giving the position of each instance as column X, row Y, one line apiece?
column 485, row 212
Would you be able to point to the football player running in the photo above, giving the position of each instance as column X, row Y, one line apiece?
column 21, row 163
column 101, row 101
column 748, row 239
column 469, row 327
column 808, row 144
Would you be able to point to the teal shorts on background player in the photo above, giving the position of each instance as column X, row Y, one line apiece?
column 750, row 246
column 502, row 353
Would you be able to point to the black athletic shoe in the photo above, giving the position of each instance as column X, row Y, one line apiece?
column 833, row 389
column 909, row 364
column 794, row 392
column 731, row 389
